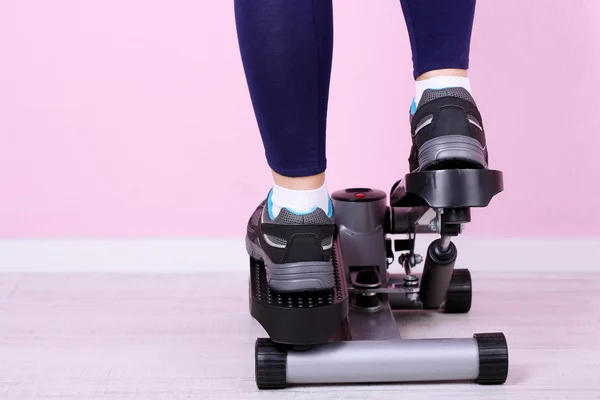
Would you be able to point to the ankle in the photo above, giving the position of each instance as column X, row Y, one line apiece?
column 298, row 199
column 439, row 81
column 299, row 183
column 443, row 72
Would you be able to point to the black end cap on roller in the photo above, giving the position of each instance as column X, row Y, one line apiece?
column 270, row 363
column 460, row 293
column 493, row 358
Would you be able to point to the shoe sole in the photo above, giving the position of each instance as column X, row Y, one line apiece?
column 451, row 148
column 294, row 277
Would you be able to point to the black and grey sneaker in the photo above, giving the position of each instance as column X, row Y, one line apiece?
column 447, row 131
column 296, row 249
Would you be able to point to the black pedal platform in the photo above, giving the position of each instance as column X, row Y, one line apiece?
column 303, row 318
column 450, row 188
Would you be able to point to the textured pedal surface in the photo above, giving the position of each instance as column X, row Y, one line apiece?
column 270, row 365
column 322, row 298
column 302, row 318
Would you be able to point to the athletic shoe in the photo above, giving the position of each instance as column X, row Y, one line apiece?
column 447, row 131
column 295, row 248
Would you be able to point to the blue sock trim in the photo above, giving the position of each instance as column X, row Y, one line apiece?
column 270, row 204
column 270, row 208
column 413, row 107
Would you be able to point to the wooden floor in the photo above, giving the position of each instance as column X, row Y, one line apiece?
column 191, row 337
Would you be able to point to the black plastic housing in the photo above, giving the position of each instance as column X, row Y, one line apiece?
column 452, row 188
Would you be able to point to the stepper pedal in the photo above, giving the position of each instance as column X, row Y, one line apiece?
column 452, row 188
column 300, row 319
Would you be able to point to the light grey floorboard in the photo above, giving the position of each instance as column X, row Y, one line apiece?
column 191, row 337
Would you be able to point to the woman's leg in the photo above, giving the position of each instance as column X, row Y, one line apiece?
column 286, row 48
column 440, row 35
column 446, row 126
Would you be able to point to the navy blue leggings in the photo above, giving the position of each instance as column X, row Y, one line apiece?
column 286, row 48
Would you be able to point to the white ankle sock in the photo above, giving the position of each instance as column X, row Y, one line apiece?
column 441, row 82
column 299, row 201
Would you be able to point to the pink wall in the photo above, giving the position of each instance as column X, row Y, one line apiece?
column 116, row 117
